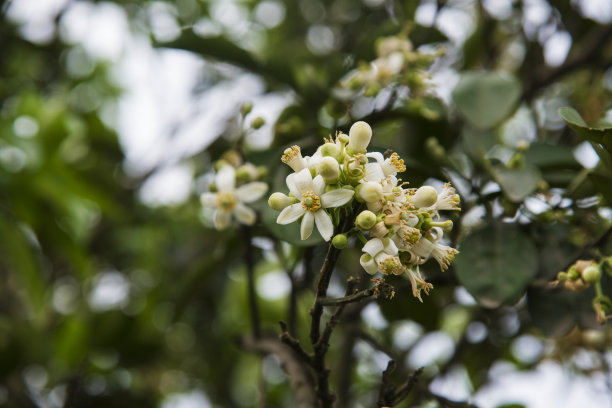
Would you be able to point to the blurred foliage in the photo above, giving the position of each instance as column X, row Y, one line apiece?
column 108, row 301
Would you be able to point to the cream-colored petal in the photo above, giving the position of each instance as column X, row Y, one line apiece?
column 373, row 172
column 290, row 214
column 336, row 198
column 307, row 225
column 222, row 219
column 245, row 214
column 208, row 199
column 390, row 247
column 303, row 182
column 368, row 263
column 290, row 180
column 319, row 185
column 225, row 179
column 251, row 191
column 378, row 156
column 324, row 224
column 373, row 246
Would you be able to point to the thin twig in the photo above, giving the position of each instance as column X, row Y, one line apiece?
column 381, row 288
column 294, row 343
column 251, row 294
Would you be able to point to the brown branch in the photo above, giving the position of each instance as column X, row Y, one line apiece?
column 322, row 285
column 294, row 343
column 381, row 288
column 388, row 395
column 300, row 376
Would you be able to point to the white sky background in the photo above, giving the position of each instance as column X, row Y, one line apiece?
column 160, row 121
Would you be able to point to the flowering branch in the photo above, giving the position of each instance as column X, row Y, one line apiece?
column 379, row 289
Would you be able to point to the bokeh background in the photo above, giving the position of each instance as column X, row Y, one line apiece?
column 115, row 289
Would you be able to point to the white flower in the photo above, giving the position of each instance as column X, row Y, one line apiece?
column 417, row 282
column 425, row 196
column 381, row 256
column 443, row 254
column 389, row 167
column 313, row 200
column 448, row 199
column 230, row 200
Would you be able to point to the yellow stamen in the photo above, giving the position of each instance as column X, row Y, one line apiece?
column 290, row 153
column 397, row 162
column 226, row 201
column 311, row 202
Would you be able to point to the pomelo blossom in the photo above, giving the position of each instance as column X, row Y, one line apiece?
column 312, row 203
column 229, row 200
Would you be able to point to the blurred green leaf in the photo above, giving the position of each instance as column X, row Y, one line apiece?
column 517, row 184
column 573, row 119
column 496, row 263
column 486, row 98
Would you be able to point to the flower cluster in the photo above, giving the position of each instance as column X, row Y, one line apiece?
column 234, row 185
column 396, row 62
column 402, row 225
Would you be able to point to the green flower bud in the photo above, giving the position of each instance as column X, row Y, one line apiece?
column 219, row 164
column 340, row 241
column 592, row 273
column 365, row 220
column 246, row 108
column 245, row 173
column 212, row 187
column 329, row 169
column 278, row 201
column 360, row 135
column 262, row 171
column 258, row 122
column 329, row 149
column 425, row 196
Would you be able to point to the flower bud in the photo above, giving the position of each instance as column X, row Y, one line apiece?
column 246, row 172
column 369, row 191
column 359, row 137
column 365, row 220
column 278, row 201
column 425, row 196
column 258, row 122
column 329, row 169
column 329, row 149
column 592, row 273
column 246, row 108
column 340, row 241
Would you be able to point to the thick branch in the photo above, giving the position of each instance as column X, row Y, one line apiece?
column 299, row 373
column 322, row 285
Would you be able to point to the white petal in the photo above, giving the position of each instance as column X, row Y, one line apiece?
column 209, row 199
column 373, row 246
column 390, row 247
column 290, row 214
column 226, row 178
column 307, row 225
column 376, row 155
column 336, row 198
column 244, row 214
column 368, row 263
column 222, row 219
column 319, row 185
column 373, row 172
column 290, row 180
column 251, row 191
column 303, row 182
column 324, row 224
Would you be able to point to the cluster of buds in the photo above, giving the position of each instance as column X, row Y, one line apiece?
column 581, row 275
column 399, row 227
column 396, row 62
column 235, row 184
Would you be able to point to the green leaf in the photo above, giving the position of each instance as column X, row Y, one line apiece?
column 485, row 99
column 573, row 119
column 496, row 263
column 517, row 183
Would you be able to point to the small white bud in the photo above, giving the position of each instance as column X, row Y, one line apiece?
column 329, row 149
column 425, row 196
column 278, row 201
column 365, row 220
column 360, row 135
column 329, row 169
column 370, row 191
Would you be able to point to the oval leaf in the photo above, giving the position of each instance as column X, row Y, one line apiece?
column 517, row 183
column 496, row 263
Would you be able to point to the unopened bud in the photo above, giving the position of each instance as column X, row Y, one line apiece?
column 329, row 149
column 340, row 241
column 262, row 171
column 278, row 201
column 425, row 196
column 369, row 191
column 360, row 135
column 246, row 172
column 329, row 169
column 246, row 108
column 592, row 273
column 365, row 220
column 258, row 122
